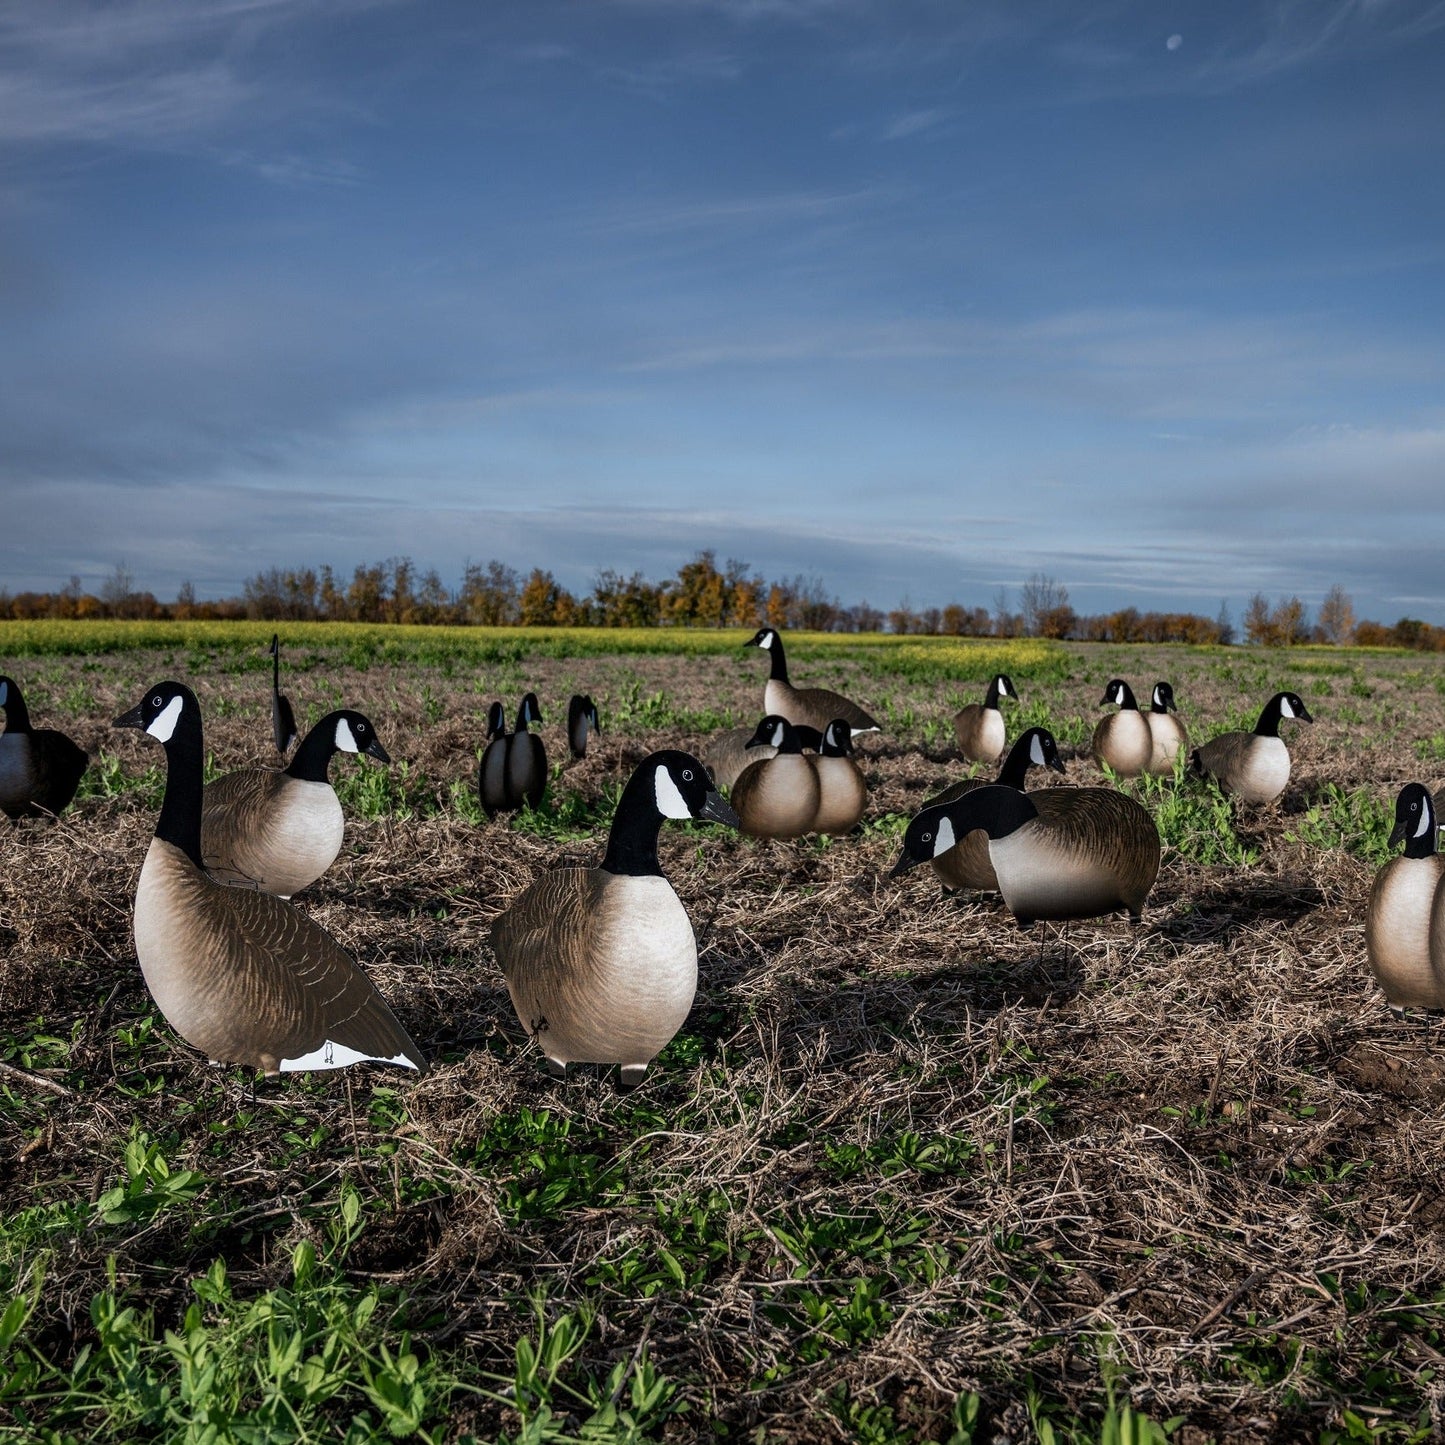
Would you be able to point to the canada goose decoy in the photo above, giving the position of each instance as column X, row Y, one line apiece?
column 729, row 753
column 239, row 974
column 778, row 797
column 1094, row 850
column 1167, row 732
column 979, row 726
column 40, row 769
column 581, row 715
column 280, row 830
column 1253, row 766
column 813, row 707
column 601, row 963
column 1122, row 739
column 492, row 775
column 1397, row 919
column 844, row 792
column 967, row 864
column 514, row 766
column 283, row 720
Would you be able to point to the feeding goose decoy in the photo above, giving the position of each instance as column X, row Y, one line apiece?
column 979, row 726
column 844, row 793
column 601, row 963
column 581, row 715
column 1166, row 731
column 778, row 797
column 729, row 753
column 1122, row 739
column 283, row 720
column 1397, row 918
column 239, row 974
column 1093, row 851
column 40, row 769
column 281, row 830
column 1253, row 766
column 813, row 707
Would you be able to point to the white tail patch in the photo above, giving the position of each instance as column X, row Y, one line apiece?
column 1036, row 752
column 338, row 1056
column 345, row 738
column 670, row 802
column 945, row 839
column 164, row 722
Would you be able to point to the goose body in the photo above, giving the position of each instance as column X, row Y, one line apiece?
column 778, row 797
column 283, row 720
column 1253, row 766
column 1402, row 897
column 979, row 727
column 843, row 791
column 40, row 768
column 1123, row 739
column 514, row 767
column 492, row 775
column 581, row 715
column 728, row 753
column 1168, row 733
column 813, row 707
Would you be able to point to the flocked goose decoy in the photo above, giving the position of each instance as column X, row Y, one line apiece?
column 844, row 793
column 239, row 974
column 281, row 830
column 581, row 715
column 1122, row 739
column 1253, row 766
column 813, row 707
column 778, row 797
column 1167, row 732
column 979, row 726
column 40, row 769
column 601, row 963
column 283, row 720
column 729, row 753
column 1397, row 917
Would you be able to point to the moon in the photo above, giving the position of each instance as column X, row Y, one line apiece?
column 1174, row 42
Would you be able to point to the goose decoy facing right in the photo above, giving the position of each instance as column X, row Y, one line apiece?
column 239, row 974
column 283, row 720
column 1397, row 918
column 581, row 715
column 779, row 796
column 1253, row 766
column 979, row 726
column 813, row 707
column 1122, row 739
column 1167, row 732
column 730, row 752
column 40, row 769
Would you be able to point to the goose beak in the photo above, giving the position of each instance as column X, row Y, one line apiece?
column 755, row 743
column 1397, row 833
column 1056, row 764
column 375, row 750
column 131, row 719
column 1304, row 714
column 716, row 810
column 904, row 863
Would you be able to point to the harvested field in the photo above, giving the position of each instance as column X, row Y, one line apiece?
column 908, row 1174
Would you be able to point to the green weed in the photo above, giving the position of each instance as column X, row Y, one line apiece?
column 1357, row 821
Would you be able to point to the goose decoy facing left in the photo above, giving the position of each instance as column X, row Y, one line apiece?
column 239, row 974
column 601, row 963
column 1397, row 918
column 979, row 726
column 1253, row 766
column 779, row 796
column 283, row 720
column 730, row 752
column 1167, row 732
column 813, row 707
column 40, row 769
column 844, row 791
column 281, row 830
column 581, row 715
column 1122, row 739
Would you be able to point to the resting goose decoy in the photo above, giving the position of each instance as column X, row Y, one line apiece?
column 729, row 753
column 1397, row 918
column 281, row 830
column 239, row 974
column 1122, row 739
column 1167, row 732
column 526, row 758
column 1091, row 851
column 601, row 963
column 813, row 707
column 283, row 720
column 979, row 726
column 844, row 792
column 40, row 769
column 492, row 775
column 581, row 715
column 1253, row 766
column 778, row 797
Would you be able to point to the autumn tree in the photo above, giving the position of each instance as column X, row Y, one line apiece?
column 1336, row 621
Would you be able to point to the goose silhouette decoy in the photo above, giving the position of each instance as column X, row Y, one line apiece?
column 601, row 963
column 1094, row 851
column 239, row 974
column 729, row 753
column 492, row 775
column 280, row 830
column 844, row 793
column 1166, row 731
column 283, row 720
column 813, row 707
column 581, row 715
column 40, row 768
column 1122, row 739
column 979, row 726
column 778, row 797
column 1397, row 917
column 1253, row 766
column 526, row 758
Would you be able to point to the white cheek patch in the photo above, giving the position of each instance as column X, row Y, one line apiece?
column 1285, row 709
column 1158, row 697
column 945, row 839
column 165, row 721
column 1425, row 821
column 345, row 738
column 767, row 639
column 1036, row 753
column 670, row 802
column 778, row 736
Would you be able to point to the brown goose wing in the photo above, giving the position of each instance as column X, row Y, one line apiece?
column 1224, row 757
column 241, row 805
column 727, row 755
column 955, row 791
column 1098, row 824
column 543, row 940
column 817, row 707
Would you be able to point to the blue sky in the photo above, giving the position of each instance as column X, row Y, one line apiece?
column 918, row 297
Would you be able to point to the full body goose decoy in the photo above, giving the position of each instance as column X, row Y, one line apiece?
column 581, row 715
column 729, row 753
column 1167, row 732
column 967, row 864
column 283, row 720
column 778, row 797
column 1253, row 766
column 601, row 963
column 40, row 769
column 239, row 974
column 1093, row 851
column 813, row 707
column 1122, row 739
column 844, row 792
column 281, row 830
column 979, row 726
column 1397, row 918
column 514, row 766
column 492, row 775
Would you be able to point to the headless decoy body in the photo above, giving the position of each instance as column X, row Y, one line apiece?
column 1094, row 851
column 281, row 830
column 601, row 963
column 1170, row 738
column 40, row 769
column 283, row 720
column 967, row 863
column 1253, row 766
column 729, row 753
column 979, row 726
column 1123, row 739
column 813, row 707
column 514, row 767
column 778, row 797
column 581, row 715
column 1397, row 918
column 239, row 974
column 844, row 793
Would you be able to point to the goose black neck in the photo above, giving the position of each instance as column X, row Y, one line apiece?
column 632, row 841
column 779, row 663
column 521, row 726
column 1269, row 720
column 1016, row 765
column 998, row 811
column 17, row 715
column 275, row 665
column 1128, row 703
column 1423, row 846
column 313, row 757
column 180, row 821
column 990, row 698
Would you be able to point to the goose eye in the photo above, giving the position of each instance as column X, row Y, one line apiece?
column 928, row 837
column 687, row 775
column 155, row 702
column 361, row 727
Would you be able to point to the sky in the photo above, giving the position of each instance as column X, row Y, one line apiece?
column 918, row 298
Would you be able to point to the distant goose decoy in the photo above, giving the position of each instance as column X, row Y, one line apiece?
column 729, row 753
column 492, row 775
column 281, row 830
column 844, row 791
column 514, row 766
column 1253, row 766
column 581, row 715
column 601, row 963
column 1088, row 852
column 283, row 720
column 1166, row 731
column 1123, row 739
column 1397, row 918
column 979, row 726
column 778, row 797
column 40, row 769
column 813, row 707
column 239, row 974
